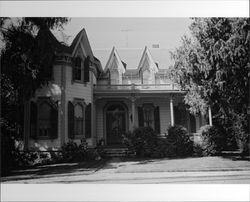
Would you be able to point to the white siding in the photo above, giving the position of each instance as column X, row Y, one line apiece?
column 75, row 90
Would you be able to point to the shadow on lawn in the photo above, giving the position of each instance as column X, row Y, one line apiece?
column 237, row 158
column 67, row 169
column 141, row 160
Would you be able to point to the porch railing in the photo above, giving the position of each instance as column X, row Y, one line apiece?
column 168, row 86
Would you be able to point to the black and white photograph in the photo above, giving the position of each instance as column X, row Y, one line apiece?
column 113, row 100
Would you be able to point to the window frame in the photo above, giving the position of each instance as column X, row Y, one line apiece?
column 77, row 68
column 82, row 103
column 40, row 102
column 148, row 107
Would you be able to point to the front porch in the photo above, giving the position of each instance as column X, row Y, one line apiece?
column 121, row 108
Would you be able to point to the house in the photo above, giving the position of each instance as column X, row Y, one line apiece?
column 87, row 100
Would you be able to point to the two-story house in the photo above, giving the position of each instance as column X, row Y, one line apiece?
column 85, row 100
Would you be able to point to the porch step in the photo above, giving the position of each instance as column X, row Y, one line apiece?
column 116, row 152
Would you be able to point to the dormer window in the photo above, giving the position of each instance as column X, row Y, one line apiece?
column 77, row 69
column 147, row 77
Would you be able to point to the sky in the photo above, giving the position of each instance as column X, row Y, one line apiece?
column 104, row 33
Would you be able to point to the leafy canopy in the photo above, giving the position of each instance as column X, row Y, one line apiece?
column 26, row 61
column 213, row 67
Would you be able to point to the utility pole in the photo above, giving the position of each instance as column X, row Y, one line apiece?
column 126, row 32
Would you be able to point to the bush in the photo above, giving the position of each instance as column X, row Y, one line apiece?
column 212, row 140
column 143, row 141
column 241, row 133
column 178, row 142
column 71, row 152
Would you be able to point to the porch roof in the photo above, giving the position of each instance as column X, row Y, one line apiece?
column 137, row 89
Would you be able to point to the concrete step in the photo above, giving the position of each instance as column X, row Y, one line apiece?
column 116, row 152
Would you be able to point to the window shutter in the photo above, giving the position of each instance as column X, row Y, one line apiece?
column 192, row 123
column 86, row 69
column 70, row 120
column 54, row 122
column 33, row 120
column 140, row 117
column 88, row 121
column 157, row 119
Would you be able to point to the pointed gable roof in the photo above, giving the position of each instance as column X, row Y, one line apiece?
column 114, row 57
column 147, row 58
column 81, row 40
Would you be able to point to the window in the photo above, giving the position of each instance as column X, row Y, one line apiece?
column 147, row 77
column 77, row 69
column 78, row 117
column 149, row 116
column 148, row 111
column 81, row 69
column 44, row 120
column 114, row 77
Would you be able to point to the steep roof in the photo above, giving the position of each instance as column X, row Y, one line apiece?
column 61, row 47
column 132, row 57
column 147, row 57
column 114, row 57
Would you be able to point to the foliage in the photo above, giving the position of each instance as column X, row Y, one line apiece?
column 100, row 148
column 143, row 141
column 213, row 67
column 212, row 140
column 243, row 138
column 25, row 64
column 71, row 152
column 178, row 141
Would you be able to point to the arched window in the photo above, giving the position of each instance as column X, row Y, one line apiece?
column 44, row 119
column 78, row 118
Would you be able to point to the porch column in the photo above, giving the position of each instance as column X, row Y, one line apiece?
column 172, row 111
column 210, row 116
column 63, row 107
column 93, row 122
column 26, row 124
column 133, row 111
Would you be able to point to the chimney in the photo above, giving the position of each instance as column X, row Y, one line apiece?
column 155, row 46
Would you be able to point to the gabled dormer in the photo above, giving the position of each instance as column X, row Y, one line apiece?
column 115, row 68
column 83, row 59
column 147, row 68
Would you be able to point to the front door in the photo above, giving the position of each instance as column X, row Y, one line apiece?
column 115, row 124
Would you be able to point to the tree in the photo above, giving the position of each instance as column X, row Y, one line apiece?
column 213, row 67
column 26, row 61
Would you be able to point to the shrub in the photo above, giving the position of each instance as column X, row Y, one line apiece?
column 212, row 140
column 240, row 130
column 143, row 141
column 71, row 152
column 178, row 142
